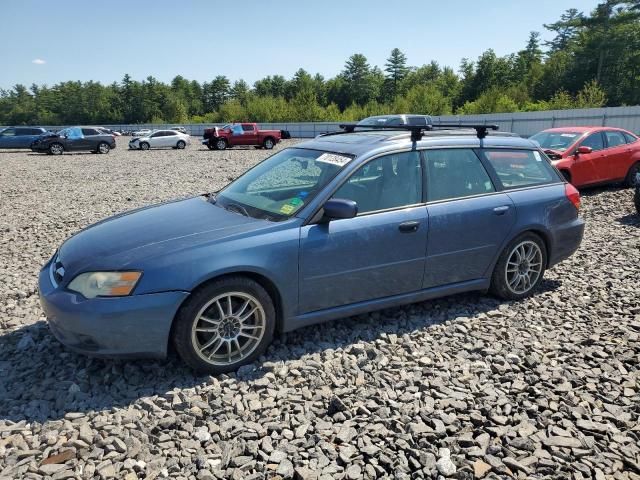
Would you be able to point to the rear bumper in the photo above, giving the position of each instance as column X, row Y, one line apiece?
column 566, row 240
column 124, row 327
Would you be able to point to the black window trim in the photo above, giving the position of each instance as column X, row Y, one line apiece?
column 497, row 185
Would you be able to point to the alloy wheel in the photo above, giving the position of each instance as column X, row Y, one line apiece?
column 524, row 267
column 103, row 148
column 228, row 328
column 56, row 149
column 221, row 144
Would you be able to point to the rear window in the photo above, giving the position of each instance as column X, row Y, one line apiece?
column 520, row 168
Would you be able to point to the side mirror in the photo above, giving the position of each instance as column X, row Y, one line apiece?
column 584, row 150
column 339, row 208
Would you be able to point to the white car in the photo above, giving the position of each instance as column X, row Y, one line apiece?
column 160, row 139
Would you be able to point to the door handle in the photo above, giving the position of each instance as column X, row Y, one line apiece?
column 501, row 210
column 409, row 227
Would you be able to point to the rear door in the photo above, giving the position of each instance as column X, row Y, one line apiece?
column 23, row 137
column 586, row 167
column 90, row 139
column 468, row 218
column 617, row 159
column 380, row 252
column 250, row 134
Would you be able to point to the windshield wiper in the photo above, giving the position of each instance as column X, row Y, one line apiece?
column 234, row 207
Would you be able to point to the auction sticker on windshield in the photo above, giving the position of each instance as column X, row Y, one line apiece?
column 333, row 159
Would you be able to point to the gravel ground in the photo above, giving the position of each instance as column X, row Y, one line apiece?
column 464, row 387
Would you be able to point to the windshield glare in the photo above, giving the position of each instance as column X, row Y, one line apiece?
column 559, row 141
column 283, row 184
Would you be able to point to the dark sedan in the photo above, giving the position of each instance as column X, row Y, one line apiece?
column 20, row 137
column 74, row 139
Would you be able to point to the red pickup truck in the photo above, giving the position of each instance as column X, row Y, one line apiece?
column 232, row 134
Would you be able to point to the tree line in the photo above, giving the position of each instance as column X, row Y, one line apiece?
column 593, row 60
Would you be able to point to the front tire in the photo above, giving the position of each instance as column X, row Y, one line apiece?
column 520, row 268
column 144, row 146
column 181, row 144
column 630, row 179
column 56, row 149
column 224, row 325
column 221, row 144
column 103, row 148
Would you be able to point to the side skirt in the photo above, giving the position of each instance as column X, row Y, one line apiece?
column 311, row 318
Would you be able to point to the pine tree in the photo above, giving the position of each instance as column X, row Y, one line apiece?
column 396, row 68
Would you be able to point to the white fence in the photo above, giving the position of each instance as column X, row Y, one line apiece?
column 522, row 123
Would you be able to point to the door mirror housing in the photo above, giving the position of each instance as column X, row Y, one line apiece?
column 339, row 208
column 582, row 150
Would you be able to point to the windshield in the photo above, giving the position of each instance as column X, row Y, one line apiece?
column 559, row 141
column 385, row 121
column 283, row 184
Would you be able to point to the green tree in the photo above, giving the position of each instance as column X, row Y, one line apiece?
column 396, row 68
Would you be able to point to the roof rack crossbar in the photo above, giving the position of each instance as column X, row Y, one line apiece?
column 417, row 130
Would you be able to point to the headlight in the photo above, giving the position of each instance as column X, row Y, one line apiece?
column 105, row 284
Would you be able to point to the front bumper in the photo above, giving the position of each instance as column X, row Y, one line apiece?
column 127, row 327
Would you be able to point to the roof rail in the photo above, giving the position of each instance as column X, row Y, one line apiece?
column 416, row 130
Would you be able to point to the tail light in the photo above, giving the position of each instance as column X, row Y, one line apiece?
column 572, row 194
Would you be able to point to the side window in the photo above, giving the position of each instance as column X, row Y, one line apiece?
column 387, row 182
column 9, row 132
column 22, row 131
column 614, row 138
column 89, row 131
column 36, row 131
column 247, row 128
column 520, row 168
column 629, row 138
column 417, row 121
column 455, row 173
column 236, row 130
column 157, row 134
column 594, row 141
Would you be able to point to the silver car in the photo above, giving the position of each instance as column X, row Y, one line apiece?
column 160, row 139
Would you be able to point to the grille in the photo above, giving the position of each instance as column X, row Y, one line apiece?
column 56, row 272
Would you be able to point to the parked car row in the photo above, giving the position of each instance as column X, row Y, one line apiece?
column 335, row 226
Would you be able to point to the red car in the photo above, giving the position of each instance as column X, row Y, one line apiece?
column 234, row 134
column 592, row 155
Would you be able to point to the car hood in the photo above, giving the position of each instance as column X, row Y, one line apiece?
column 121, row 241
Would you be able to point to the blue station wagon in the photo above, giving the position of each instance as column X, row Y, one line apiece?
column 339, row 225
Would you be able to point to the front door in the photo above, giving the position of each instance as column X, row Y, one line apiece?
column 249, row 135
column 377, row 254
column 583, row 169
column 468, row 219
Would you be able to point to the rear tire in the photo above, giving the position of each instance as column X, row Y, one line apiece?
column 630, row 179
column 144, row 146
column 520, row 267
column 181, row 144
column 268, row 143
column 56, row 149
column 224, row 325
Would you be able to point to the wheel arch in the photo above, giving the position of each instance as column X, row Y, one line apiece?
column 538, row 230
column 261, row 279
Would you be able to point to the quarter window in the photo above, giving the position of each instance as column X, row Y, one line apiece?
column 520, row 168
column 387, row 182
column 594, row 141
column 629, row 138
column 614, row 138
column 455, row 173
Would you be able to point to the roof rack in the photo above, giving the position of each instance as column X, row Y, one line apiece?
column 416, row 130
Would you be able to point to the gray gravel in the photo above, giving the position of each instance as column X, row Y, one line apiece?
column 459, row 387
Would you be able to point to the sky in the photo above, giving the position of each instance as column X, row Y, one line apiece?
column 47, row 42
